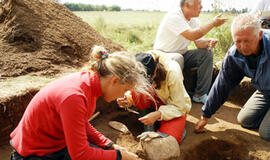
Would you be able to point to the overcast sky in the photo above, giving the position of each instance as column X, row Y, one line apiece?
column 164, row 5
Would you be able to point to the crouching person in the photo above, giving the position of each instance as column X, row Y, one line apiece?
column 250, row 57
column 55, row 124
column 169, row 102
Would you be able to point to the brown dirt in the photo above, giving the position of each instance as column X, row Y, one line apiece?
column 44, row 37
column 225, row 139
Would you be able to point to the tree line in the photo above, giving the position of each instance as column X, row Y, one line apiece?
column 90, row 7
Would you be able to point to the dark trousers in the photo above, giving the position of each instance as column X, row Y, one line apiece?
column 256, row 114
column 59, row 155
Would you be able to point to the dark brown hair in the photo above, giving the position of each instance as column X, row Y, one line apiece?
column 160, row 74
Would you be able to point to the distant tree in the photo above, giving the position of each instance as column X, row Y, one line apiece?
column 234, row 11
column 114, row 8
column 89, row 7
column 72, row 6
column 101, row 8
column 128, row 9
column 85, row 7
column 244, row 10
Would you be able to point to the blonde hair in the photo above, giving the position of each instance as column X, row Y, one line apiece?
column 122, row 65
column 244, row 21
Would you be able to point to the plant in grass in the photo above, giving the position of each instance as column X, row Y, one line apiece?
column 100, row 24
column 133, row 37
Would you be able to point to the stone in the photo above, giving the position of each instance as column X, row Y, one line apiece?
column 161, row 149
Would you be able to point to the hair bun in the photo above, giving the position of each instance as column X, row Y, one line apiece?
column 97, row 52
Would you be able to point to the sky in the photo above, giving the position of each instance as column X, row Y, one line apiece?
column 164, row 5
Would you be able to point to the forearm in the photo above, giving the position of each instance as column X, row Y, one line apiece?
column 96, row 137
column 201, row 31
column 169, row 112
column 228, row 78
column 196, row 33
column 216, row 97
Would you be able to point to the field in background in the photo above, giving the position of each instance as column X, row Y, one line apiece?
column 136, row 30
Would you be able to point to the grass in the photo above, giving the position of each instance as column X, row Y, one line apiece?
column 136, row 30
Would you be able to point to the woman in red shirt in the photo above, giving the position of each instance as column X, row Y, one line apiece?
column 55, row 123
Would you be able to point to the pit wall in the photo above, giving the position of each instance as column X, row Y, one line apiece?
column 11, row 111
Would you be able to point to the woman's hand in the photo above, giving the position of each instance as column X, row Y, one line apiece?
column 123, row 102
column 150, row 118
column 126, row 155
column 117, row 147
column 126, row 101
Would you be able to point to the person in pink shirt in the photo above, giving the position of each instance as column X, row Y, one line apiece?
column 55, row 123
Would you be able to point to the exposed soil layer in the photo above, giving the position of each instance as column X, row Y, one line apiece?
column 11, row 111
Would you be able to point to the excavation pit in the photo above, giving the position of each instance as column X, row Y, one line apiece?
column 214, row 149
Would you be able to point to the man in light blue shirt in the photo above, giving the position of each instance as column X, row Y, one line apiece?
column 250, row 56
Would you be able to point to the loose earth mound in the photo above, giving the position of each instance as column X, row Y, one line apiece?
column 45, row 37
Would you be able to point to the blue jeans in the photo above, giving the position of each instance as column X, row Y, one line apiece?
column 256, row 114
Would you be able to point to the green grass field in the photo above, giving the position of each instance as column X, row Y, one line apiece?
column 136, row 30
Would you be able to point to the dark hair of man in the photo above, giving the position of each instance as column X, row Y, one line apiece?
column 182, row 2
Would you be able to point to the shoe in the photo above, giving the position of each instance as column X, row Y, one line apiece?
column 201, row 99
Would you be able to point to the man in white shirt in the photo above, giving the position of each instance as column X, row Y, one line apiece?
column 261, row 5
column 262, row 10
column 175, row 32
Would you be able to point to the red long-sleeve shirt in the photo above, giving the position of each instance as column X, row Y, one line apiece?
column 58, row 116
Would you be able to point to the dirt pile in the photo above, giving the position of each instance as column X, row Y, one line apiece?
column 40, row 37
column 45, row 37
